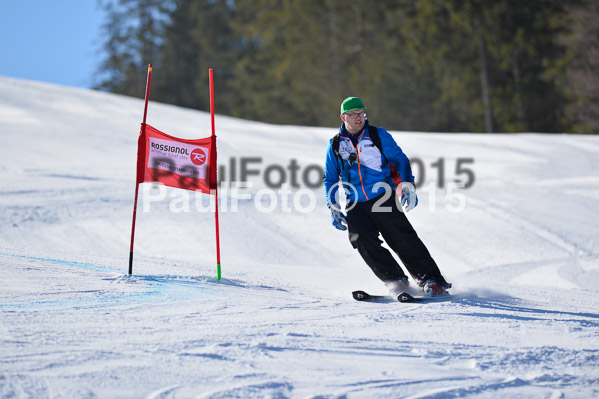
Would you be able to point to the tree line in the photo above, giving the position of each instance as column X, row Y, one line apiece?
column 419, row 65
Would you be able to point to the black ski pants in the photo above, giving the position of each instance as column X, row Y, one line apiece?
column 366, row 220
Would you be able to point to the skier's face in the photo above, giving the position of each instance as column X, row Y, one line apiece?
column 354, row 120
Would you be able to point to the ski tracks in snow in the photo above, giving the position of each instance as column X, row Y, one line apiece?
column 85, row 329
column 564, row 271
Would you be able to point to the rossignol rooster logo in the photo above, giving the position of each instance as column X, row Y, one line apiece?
column 198, row 157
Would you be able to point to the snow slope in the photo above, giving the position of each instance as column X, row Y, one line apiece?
column 523, row 255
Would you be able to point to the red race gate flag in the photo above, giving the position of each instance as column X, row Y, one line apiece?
column 175, row 162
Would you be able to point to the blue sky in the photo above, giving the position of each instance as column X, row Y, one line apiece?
column 54, row 41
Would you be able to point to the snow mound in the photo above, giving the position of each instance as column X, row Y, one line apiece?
column 520, row 247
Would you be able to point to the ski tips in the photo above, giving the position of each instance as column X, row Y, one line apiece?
column 360, row 295
column 405, row 297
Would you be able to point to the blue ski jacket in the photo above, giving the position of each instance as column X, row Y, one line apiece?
column 365, row 174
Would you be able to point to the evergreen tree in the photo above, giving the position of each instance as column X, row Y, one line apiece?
column 582, row 74
column 529, row 66
column 133, row 30
column 199, row 36
column 179, row 68
column 288, row 57
column 429, row 65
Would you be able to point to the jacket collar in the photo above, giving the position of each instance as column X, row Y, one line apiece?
column 344, row 133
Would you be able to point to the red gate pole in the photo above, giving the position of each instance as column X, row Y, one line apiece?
column 143, row 131
column 218, row 268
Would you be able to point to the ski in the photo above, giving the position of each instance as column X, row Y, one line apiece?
column 403, row 297
column 408, row 298
column 365, row 297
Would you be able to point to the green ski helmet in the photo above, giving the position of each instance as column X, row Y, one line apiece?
column 351, row 103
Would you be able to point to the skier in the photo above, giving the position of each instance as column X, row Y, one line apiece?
column 361, row 156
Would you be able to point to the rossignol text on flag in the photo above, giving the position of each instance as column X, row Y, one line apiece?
column 175, row 162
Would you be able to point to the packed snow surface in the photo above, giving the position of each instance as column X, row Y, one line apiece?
column 520, row 245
